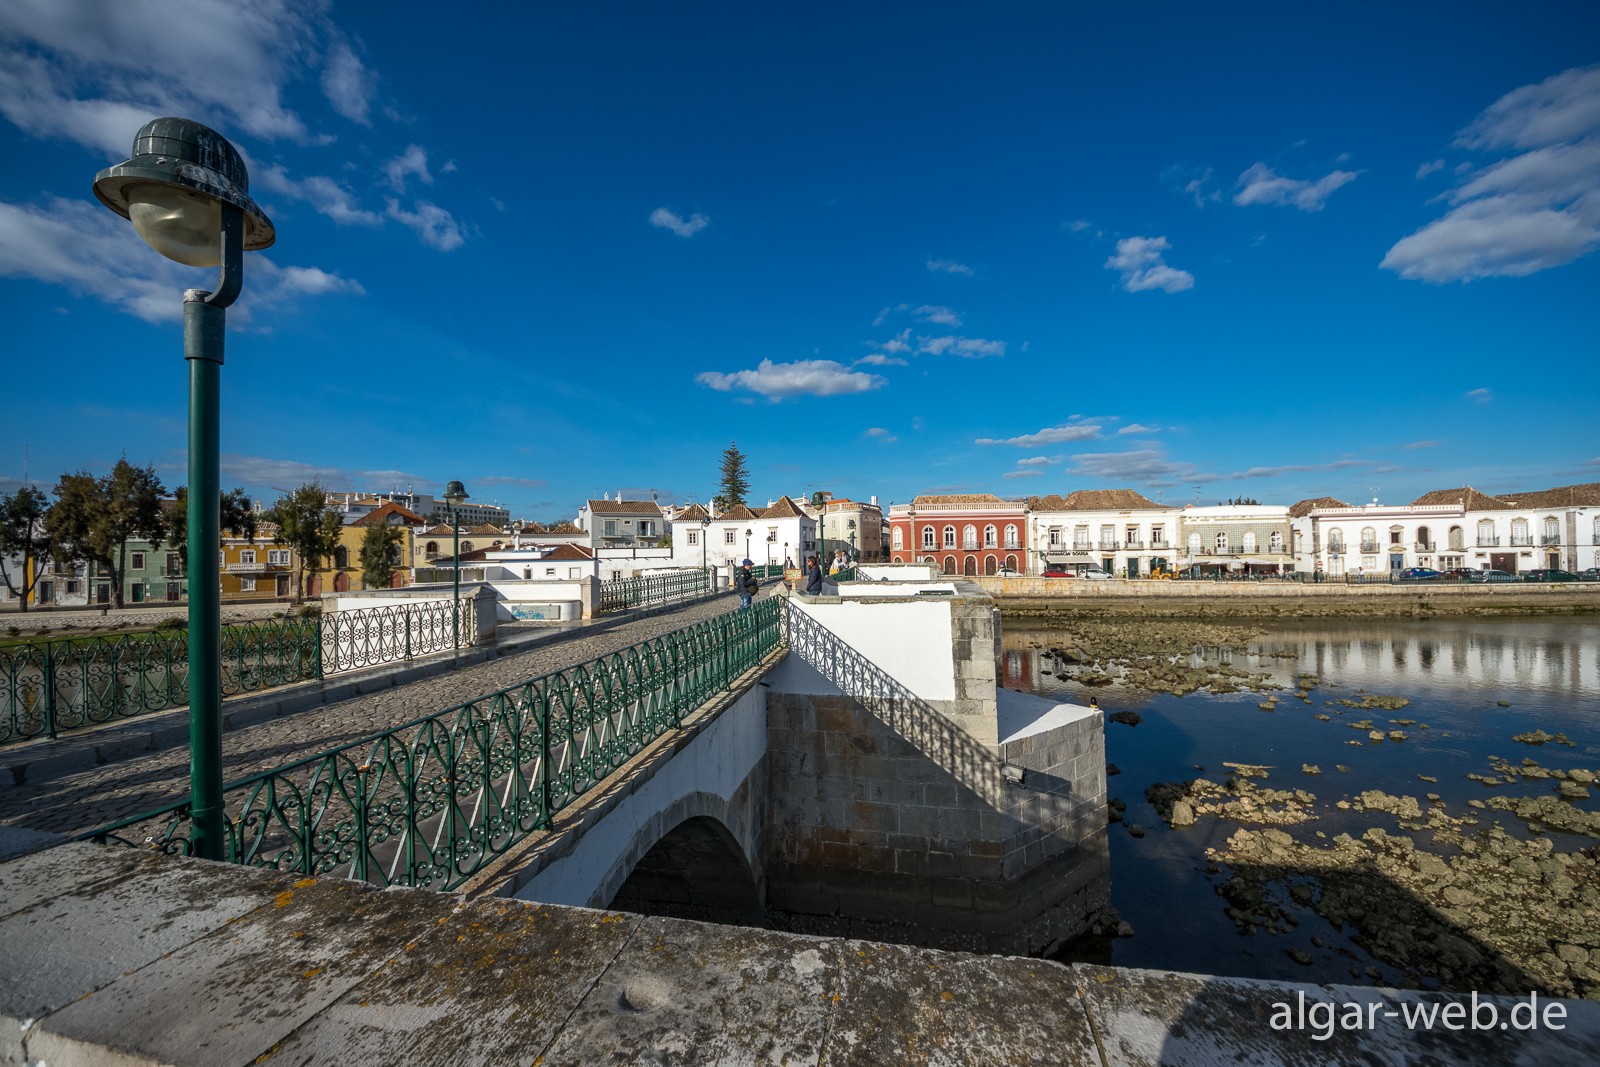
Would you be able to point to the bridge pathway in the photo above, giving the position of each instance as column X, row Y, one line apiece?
column 77, row 802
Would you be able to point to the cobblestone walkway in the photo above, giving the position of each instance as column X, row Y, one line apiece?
column 79, row 802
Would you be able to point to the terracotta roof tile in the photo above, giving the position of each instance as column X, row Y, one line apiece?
column 380, row 516
column 736, row 514
column 783, row 509
column 1306, row 507
column 1466, row 496
column 1587, row 494
column 624, row 507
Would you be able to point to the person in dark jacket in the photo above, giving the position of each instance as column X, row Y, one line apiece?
column 813, row 577
column 745, row 579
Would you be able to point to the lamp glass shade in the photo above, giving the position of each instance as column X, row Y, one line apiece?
column 183, row 226
column 454, row 494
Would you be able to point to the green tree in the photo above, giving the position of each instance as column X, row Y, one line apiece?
column 306, row 525
column 238, row 519
column 93, row 519
column 379, row 555
column 735, row 478
column 22, row 534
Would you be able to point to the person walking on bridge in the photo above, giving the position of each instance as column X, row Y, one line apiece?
column 745, row 579
column 813, row 577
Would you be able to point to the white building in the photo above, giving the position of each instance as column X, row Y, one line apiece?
column 622, row 523
column 1119, row 530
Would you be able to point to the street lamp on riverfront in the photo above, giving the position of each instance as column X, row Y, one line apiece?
column 455, row 494
column 851, row 526
column 186, row 191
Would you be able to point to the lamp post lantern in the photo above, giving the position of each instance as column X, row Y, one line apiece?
column 186, row 191
column 455, row 494
column 747, row 544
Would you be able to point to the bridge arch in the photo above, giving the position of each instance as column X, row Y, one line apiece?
column 698, row 869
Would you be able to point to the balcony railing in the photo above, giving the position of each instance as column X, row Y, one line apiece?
column 1109, row 546
column 1424, row 546
column 1550, row 539
column 1369, row 546
column 1521, row 540
column 1488, row 542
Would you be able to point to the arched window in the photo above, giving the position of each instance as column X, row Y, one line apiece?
column 989, row 536
column 1369, row 539
column 431, row 549
column 466, row 546
column 1424, row 541
column 927, row 539
column 341, row 557
column 1275, row 541
column 949, row 537
column 1486, row 532
column 1222, row 541
column 1458, row 539
column 1194, row 544
column 1336, row 540
column 1249, row 542
column 1519, row 532
column 899, row 539
column 969, row 537
column 1552, row 530
column 1011, row 537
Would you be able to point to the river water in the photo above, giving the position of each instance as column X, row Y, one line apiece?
column 1471, row 685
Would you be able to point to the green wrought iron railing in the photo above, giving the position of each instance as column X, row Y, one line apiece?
column 51, row 687
column 622, row 593
column 430, row 803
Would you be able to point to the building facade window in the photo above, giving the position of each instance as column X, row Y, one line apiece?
column 1457, row 539
column 950, row 538
column 694, row 537
column 247, row 585
column 1519, row 532
column 247, row 556
column 990, row 537
column 897, row 539
column 1275, row 541
column 969, row 537
column 729, row 537
column 1486, row 533
column 1335, row 540
column 927, row 539
column 1369, row 539
column 1222, row 541
column 1248, row 544
column 1011, row 537
column 136, row 561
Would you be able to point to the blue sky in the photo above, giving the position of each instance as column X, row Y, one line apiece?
column 1267, row 250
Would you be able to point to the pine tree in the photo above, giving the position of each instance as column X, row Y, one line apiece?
column 735, row 478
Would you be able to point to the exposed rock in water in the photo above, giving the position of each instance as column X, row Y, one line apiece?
column 1127, row 718
column 1539, row 737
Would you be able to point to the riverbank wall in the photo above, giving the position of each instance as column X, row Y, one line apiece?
column 1024, row 597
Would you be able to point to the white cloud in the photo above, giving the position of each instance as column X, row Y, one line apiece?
column 900, row 342
column 1430, row 167
column 1528, row 212
column 1261, row 185
column 878, row 359
column 806, row 377
column 1023, row 474
column 1143, row 266
column 433, row 224
column 325, row 195
column 1147, row 467
column 1078, row 225
column 665, row 219
column 1081, row 431
column 1035, row 461
column 881, row 434
column 1134, row 427
column 1482, row 396
column 413, row 161
column 949, row 266
column 965, row 347
column 941, row 316
column 93, row 73
column 347, row 84
column 311, row 281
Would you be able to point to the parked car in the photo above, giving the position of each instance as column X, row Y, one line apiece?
column 1549, row 574
column 1458, row 574
column 1491, row 575
column 1056, row 570
column 1095, row 573
column 1591, row 574
column 1007, row 572
column 1419, row 574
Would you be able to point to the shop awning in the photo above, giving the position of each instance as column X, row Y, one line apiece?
column 1069, row 557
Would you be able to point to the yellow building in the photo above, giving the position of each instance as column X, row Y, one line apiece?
column 258, row 568
column 342, row 573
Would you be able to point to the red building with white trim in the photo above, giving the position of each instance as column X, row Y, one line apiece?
column 964, row 533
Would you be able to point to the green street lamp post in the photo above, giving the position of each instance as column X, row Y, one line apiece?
column 705, row 531
column 455, row 494
column 851, row 526
column 186, row 191
column 747, row 544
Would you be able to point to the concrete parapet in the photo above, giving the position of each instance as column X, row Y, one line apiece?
column 113, row 956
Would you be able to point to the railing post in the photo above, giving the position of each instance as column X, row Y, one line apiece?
column 409, row 615
column 316, row 665
column 544, row 759
column 50, row 688
column 360, row 872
